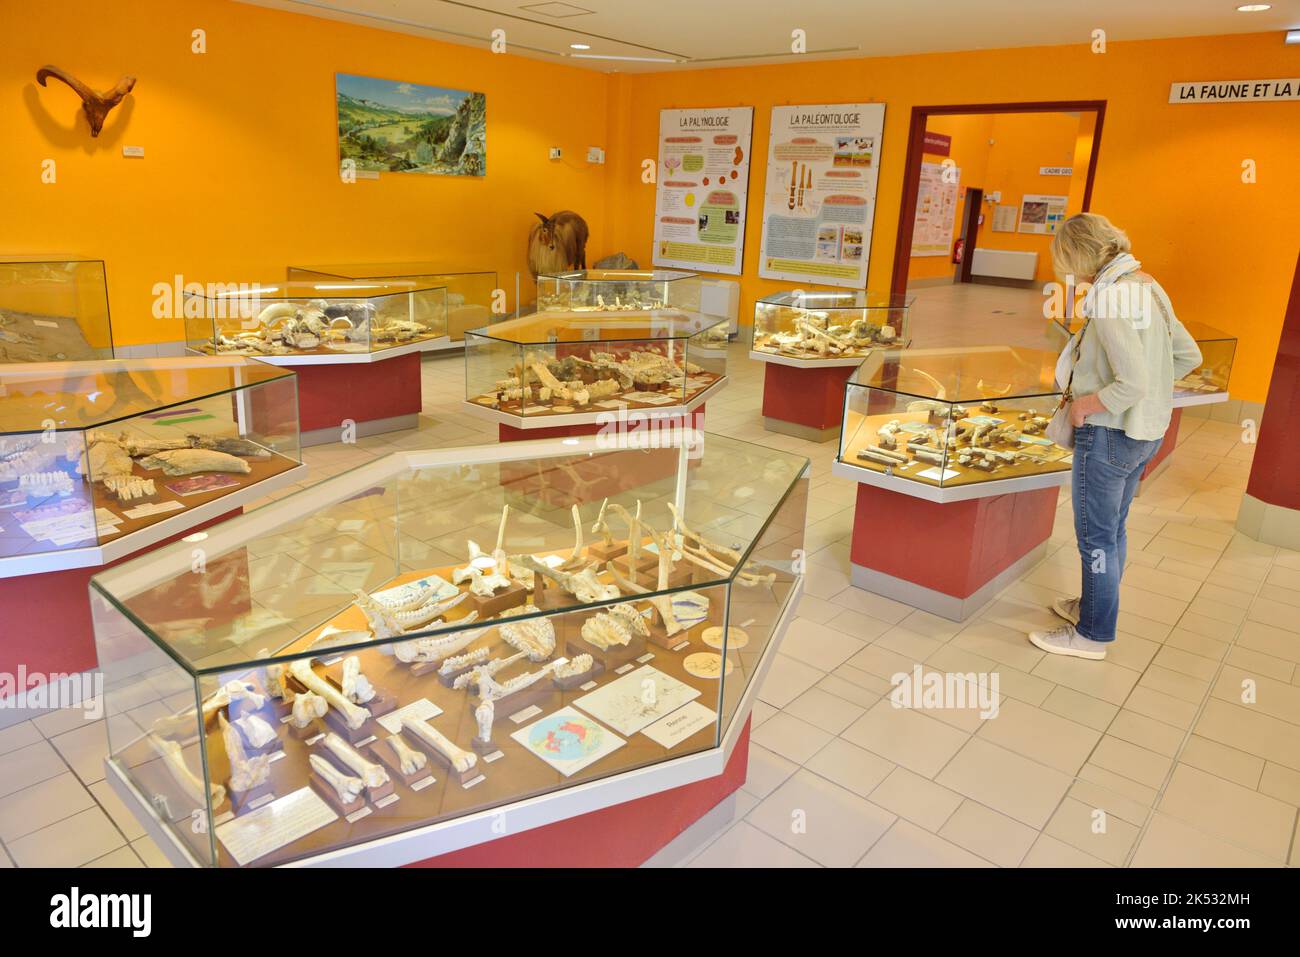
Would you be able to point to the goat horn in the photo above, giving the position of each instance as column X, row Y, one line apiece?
column 544, row 220
column 80, row 88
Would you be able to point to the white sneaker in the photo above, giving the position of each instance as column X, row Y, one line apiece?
column 1067, row 608
column 1066, row 641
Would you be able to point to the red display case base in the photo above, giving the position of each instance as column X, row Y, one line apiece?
column 45, row 626
column 807, row 403
column 959, row 554
column 366, row 397
column 624, row 835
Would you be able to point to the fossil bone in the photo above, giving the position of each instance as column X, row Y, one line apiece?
column 467, row 660
column 174, row 760
column 583, row 585
column 574, row 560
column 371, row 773
column 615, row 626
column 460, row 759
column 95, row 105
column 356, row 686
column 188, row 461
column 347, row 787
column 484, row 715
column 245, row 773
column 535, row 636
column 488, row 668
column 256, row 729
column 409, row 759
column 601, row 527
column 307, row 706
column 354, row 714
column 577, row 665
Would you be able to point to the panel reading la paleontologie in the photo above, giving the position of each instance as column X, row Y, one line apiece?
column 395, row 127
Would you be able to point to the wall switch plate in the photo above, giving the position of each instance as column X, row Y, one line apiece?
column 135, row 151
column 595, row 154
column 555, row 152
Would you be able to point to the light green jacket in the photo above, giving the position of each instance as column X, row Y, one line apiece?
column 1131, row 357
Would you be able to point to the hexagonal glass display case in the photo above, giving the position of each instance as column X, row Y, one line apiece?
column 825, row 327
column 97, row 458
column 384, row 657
column 548, row 364
column 326, row 320
column 952, row 417
column 618, row 293
column 469, row 294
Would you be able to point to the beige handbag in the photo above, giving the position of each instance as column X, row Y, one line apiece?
column 1060, row 429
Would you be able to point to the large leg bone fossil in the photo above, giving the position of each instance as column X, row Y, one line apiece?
column 345, row 786
column 460, row 759
column 372, row 774
column 353, row 714
column 195, row 790
column 356, row 686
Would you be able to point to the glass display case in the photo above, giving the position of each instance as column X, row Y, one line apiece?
column 618, row 292
column 817, row 327
column 53, row 310
column 469, row 294
column 562, row 363
column 1209, row 380
column 327, row 318
column 1207, row 383
column 93, row 452
column 438, row 633
column 953, row 417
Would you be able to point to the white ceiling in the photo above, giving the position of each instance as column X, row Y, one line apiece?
column 689, row 34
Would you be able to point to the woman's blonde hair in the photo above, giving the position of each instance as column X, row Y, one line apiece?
column 1084, row 243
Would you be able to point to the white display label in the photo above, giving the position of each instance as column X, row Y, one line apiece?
column 1235, row 91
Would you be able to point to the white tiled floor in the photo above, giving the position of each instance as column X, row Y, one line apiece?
column 1151, row 758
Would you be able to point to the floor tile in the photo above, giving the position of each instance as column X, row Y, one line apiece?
column 71, row 842
column 746, row 846
column 906, row 845
column 992, row 836
column 791, row 738
column 916, row 799
column 821, row 820
column 1239, row 815
column 1005, row 781
column 850, row 766
column 909, row 738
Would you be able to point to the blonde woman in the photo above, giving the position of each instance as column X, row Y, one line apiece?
column 1119, row 370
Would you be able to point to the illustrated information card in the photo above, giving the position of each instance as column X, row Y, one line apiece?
column 701, row 187
column 820, row 196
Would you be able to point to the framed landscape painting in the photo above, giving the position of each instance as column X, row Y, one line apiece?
column 392, row 127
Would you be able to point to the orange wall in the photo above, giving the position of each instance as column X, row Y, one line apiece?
column 970, row 134
column 1169, row 174
column 240, row 173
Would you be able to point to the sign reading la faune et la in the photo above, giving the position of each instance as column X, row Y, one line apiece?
column 1235, row 91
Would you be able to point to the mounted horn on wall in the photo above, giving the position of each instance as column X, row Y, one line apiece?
column 95, row 105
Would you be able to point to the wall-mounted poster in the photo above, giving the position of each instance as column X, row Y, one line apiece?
column 820, row 199
column 1041, row 214
column 936, row 209
column 1004, row 217
column 391, row 127
column 701, row 188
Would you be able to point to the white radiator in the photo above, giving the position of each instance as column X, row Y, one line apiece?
column 721, row 297
column 1004, row 264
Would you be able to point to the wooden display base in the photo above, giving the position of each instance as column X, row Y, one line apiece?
column 307, row 731
column 498, row 602
column 243, row 801
column 660, row 638
column 577, row 681
column 326, row 790
column 536, row 692
column 609, row 658
column 372, row 794
column 337, row 724
column 384, row 753
column 602, row 553
column 482, row 747
column 462, row 777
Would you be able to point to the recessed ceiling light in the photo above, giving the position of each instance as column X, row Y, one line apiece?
column 579, row 46
column 1254, row 7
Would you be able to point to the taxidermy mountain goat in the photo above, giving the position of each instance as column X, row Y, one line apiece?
column 557, row 243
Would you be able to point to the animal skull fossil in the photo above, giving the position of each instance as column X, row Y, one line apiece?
column 95, row 105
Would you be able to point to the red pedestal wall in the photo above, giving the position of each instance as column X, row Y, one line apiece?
column 360, row 391
column 1277, row 456
column 1166, row 447
column 813, row 396
column 45, row 622
column 624, row 835
column 955, row 548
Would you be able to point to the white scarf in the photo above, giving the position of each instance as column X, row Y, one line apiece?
column 1108, row 275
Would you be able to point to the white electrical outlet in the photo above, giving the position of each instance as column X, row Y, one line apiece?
column 595, row 154
column 555, row 152
column 133, row 151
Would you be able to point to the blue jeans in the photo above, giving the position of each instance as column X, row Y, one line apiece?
column 1107, row 467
